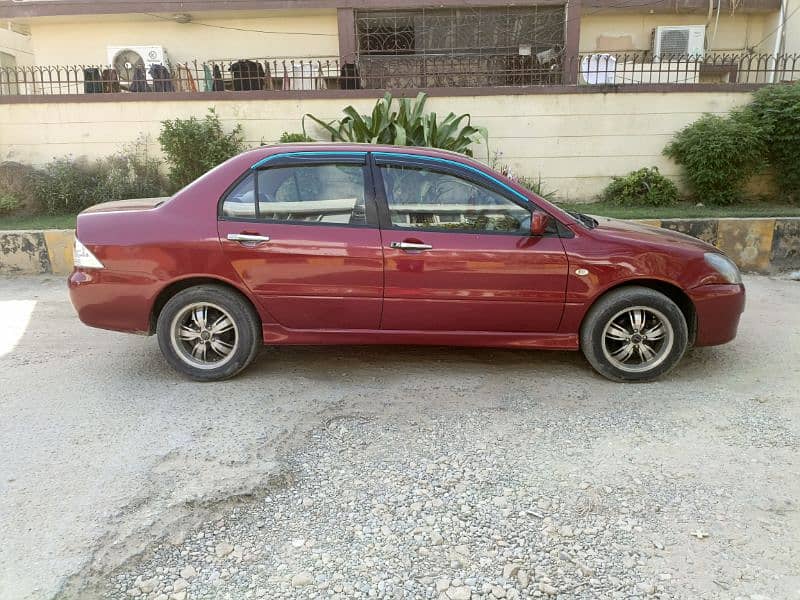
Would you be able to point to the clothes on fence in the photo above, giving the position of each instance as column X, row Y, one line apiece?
column 184, row 81
column 92, row 82
column 162, row 79
column 110, row 81
column 350, row 78
column 247, row 75
column 218, row 85
column 268, row 84
column 139, row 81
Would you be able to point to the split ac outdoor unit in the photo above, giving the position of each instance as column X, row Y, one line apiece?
column 672, row 41
column 125, row 59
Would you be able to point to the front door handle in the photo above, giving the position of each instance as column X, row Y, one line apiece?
column 410, row 246
column 248, row 237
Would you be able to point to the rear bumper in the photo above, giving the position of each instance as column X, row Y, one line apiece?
column 718, row 309
column 108, row 300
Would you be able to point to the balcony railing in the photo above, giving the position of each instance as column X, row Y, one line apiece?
column 415, row 71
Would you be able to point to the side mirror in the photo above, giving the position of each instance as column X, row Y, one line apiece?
column 538, row 223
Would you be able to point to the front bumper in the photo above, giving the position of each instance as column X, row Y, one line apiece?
column 718, row 308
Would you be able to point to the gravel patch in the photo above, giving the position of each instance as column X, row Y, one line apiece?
column 486, row 505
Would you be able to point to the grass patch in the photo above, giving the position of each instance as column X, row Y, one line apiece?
column 684, row 210
column 38, row 222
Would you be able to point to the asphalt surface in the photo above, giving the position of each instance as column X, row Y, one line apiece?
column 105, row 453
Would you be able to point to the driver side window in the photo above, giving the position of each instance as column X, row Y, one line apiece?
column 420, row 198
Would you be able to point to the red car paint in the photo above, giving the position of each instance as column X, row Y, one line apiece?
column 323, row 284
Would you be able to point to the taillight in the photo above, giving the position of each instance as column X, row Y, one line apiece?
column 83, row 258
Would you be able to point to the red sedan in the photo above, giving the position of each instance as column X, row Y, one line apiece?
column 362, row 244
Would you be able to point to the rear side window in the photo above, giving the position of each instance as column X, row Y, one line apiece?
column 325, row 193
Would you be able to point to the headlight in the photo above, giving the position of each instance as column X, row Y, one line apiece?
column 724, row 266
column 83, row 258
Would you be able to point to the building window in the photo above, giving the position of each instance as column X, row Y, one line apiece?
column 460, row 46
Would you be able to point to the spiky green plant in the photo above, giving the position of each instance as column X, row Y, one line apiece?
column 409, row 125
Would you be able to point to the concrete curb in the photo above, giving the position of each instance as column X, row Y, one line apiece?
column 757, row 245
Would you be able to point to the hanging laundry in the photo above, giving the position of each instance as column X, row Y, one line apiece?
column 350, row 79
column 321, row 84
column 219, row 85
column 110, row 81
column 92, row 82
column 162, row 79
column 184, row 81
column 139, row 81
column 247, row 75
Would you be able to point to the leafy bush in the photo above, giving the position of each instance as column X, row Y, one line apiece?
column 17, row 194
column 407, row 126
column 719, row 155
column 537, row 187
column 9, row 204
column 645, row 187
column 66, row 185
column 776, row 111
column 288, row 138
column 132, row 173
column 194, row 146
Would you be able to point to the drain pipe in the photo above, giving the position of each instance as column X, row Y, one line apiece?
column 778, row 41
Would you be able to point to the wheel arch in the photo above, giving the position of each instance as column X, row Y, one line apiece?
column 187, row 282
column 670, row 290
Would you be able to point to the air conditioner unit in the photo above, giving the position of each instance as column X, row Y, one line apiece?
column 678, row 40
column 125, row 59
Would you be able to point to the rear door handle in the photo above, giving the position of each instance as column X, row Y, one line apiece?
column 248, row 237
column 410, row 246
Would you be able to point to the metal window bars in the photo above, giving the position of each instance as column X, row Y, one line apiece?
column 503, row 67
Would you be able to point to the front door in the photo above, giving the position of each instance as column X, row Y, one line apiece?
column 459, row 255
column 302, row 234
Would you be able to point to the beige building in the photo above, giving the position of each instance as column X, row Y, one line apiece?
column 571, row 91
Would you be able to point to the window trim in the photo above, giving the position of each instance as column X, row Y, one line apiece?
column 306, row 159
column 454, row 168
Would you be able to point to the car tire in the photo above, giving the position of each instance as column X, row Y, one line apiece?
column 634, row 334
column 208, row 332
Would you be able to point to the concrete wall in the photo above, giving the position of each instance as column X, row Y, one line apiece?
column 73, row 41
column 575, row 142
column 628, row 32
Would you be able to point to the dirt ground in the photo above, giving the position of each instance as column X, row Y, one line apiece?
column 112, row 467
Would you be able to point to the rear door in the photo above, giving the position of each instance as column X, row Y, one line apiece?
column 309, row 248
column 459, row 255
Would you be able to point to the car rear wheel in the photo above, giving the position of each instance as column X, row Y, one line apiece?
column 634, row 334
column 208, row 332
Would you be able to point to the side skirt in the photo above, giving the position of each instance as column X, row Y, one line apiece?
column 277, row 335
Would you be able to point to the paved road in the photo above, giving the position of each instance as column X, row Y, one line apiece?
column 104, row 451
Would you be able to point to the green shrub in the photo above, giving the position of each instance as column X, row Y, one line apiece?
column 536, row 186
column 67, row 186
column 193, row 146
column 409, row 125
column 17, row 193
column 645, row 187
column 132, row 173
column 776, row 111
column 9, row 204
column 718, row 155
column 289, row 138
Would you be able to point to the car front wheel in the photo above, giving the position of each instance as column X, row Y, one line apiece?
column 634, row 334
column 208, row 332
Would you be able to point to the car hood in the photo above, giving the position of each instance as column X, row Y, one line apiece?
column 126, row 205
column 641, row 233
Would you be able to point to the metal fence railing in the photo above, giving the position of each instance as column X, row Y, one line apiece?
column 368, row 71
